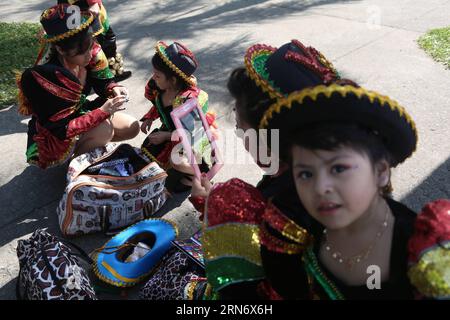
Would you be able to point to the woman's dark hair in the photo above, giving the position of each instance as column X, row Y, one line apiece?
column 80, row 42
column 159, row 64
column 330, row 136
column 251, row 101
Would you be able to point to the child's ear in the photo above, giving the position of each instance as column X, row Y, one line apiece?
column 383, row 172
column 174, row 82
column 59, row 50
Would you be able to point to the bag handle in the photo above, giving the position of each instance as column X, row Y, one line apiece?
column 19, row 295
column 106, row 224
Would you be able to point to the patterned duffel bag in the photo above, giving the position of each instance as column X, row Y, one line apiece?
column 51, row 270
column 110, row 188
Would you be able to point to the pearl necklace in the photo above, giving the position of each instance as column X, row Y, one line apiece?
column 350, row 262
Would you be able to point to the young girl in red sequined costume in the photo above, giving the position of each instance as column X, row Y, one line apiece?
column 343, row 142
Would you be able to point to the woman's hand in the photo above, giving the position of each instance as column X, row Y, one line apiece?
column 120, row 91
column 146, row 125
column 113, row 105
column 201, row 188
column 159, row 137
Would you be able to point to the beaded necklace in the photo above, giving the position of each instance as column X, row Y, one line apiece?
column 350, row 262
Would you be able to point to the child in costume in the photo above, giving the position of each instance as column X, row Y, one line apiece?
column 344, row 142
column 171, row 85
column 106, row 37
column 54, row 93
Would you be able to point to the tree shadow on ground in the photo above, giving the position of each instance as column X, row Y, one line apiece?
column 11, row 121
column 435, row 186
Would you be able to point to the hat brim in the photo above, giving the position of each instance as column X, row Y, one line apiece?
column 87, row 20
column 348, row 104
column 161, row 51
column 255, row 63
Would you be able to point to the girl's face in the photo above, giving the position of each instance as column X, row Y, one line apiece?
column 161, row 80
column 337, row 187
column 77, row 58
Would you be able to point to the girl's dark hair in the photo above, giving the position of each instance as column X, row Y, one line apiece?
column 251, row 101
column 159, row 64
column 330, row 136
column 80, row 42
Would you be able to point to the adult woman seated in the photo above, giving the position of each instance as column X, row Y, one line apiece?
column 70, row 64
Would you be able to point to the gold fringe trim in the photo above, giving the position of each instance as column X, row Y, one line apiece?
column 151, row 157
column 191, row 80
column 262, row 83
column 24, row 105
column 327, row 91
column 65, row 156
column 71, row 33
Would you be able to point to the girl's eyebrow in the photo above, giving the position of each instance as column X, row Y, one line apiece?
column 302, row 165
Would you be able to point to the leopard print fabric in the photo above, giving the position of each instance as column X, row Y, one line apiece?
column 36, row 282
column 169, row 281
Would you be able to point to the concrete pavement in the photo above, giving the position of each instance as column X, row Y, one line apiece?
column 372, row 42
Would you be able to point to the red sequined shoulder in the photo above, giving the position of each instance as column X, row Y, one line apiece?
column 235, row 201
column 432, row 227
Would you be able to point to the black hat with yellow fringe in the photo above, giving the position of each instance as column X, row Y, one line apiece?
column 180, row 59
column 61, row 22
column 346, row 104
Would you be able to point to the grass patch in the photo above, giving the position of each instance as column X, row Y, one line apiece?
column 19, row 47
column 436, row 43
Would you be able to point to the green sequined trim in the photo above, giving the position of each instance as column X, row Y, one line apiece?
column 104, row 74
column 313, row 269
column 32, row 152
column 259, row 63
column 228, row 270
column 105, row 25
column 162, row 115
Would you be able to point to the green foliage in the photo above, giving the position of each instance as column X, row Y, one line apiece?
column 19, row 46
column 436, row 43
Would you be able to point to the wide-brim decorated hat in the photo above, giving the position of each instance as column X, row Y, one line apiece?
column 179, row 59
column 289, row 68
column 346, row 104
column 61, row 22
